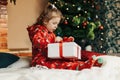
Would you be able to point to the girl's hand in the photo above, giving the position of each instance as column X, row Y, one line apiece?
column 71, row 39
column 58, row 39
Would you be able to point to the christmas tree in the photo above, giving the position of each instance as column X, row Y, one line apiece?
column 81, row 21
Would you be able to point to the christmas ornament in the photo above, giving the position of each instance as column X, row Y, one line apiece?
column 76, row 21
column 101, row 27
column 65, row 22
column 84, row 24
column 89, row 19
column 79, row 8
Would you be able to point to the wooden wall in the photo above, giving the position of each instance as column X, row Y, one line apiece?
column 24, row 13
column 3, row 26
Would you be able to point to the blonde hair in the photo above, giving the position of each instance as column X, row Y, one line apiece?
column 48, row 13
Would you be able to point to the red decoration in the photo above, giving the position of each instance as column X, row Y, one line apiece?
column 101, row 27
column 66, row 22
column 84, row 24
column 68, row 39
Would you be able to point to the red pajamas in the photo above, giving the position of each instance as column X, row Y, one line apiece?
column 40, row 37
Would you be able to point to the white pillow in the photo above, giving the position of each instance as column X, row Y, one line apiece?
column 21, row 63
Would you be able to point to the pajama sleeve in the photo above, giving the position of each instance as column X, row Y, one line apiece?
column 39, row 40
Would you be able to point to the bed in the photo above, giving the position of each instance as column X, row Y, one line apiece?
column 20, row 70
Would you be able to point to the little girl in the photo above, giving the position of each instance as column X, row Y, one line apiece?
column 41, row 34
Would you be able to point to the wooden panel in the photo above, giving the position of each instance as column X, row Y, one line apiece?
column 3, row 38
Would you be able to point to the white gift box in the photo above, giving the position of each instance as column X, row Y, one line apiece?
column 64, row 50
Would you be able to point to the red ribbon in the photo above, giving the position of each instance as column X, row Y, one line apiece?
column 61, row 50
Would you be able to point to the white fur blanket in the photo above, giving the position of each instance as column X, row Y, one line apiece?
column 110, row 70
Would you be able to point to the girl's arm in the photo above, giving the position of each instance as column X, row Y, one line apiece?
column 39, row 40
column 58, row 39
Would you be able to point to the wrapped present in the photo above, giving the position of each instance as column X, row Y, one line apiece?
column 67, row 50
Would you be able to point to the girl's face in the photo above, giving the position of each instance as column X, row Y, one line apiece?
column 52, row 24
